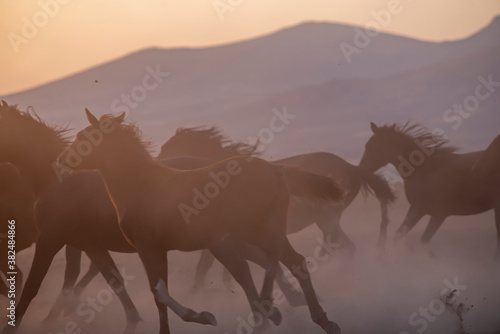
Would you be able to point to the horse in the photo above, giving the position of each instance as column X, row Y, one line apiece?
column 488, row 164
column 161, row 209
column 438, row 181
column 28, row 137
column 16, row 204
column 33, row 146
column 210, row 143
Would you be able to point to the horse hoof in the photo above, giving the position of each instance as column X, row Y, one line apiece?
column 275, row 316
column 208, row 318
column 332, row 328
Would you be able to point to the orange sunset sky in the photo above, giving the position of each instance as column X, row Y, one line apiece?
column 80, row 34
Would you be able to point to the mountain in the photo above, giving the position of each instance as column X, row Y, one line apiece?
column 235, row 85
column 346, row 106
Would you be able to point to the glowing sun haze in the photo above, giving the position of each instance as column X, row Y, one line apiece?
column 82, row 34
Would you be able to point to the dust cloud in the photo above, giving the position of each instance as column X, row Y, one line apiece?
column 407, row 290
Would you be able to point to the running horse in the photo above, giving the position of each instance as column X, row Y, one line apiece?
column 246, row 198
column 438, row 181
column 33, row 146
column 210, row 143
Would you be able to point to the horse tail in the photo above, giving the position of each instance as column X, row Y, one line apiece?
column 375, row 184
column 314, row 187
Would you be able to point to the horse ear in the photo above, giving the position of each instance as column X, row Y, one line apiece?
column 4, row 104
column 120, row 118
column 91, row 118
column 374, row 127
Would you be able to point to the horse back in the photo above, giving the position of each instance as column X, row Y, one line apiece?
column 445, row 185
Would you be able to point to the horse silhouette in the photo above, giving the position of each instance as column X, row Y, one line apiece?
column 438, row 181
column 252, row 205
column 210, row 143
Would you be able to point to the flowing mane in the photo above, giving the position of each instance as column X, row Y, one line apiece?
column 10, row 114
column 132, row 132
column 212, row 138
column 416, row 132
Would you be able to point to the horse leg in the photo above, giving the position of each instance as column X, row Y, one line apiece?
column 156, row 264
column 204, row 264
column 227, row 252
column 4, row 290
column 256, row 255
column 412, row 217
column 73, row 260
column 108, row 268
column 19, row 278
column 382, row 237
column 92, row 272
column 434, row 223
column 272, row 248
column 296, row 263
column 47, row 247
column 334, row 235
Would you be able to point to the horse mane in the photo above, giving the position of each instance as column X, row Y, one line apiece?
column 214, row 137
column 59, row 135
column 414, row 132
column 132, row 131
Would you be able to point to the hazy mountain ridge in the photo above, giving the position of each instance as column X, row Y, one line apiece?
column 237, row 85
column 424, row 95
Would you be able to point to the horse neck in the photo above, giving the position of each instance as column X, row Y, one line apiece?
column 38, row 169
column 127, row 175
column 405, row 152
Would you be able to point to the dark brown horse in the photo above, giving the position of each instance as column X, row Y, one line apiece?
column 16, row 203
column 32, row 145
column 211, row 144
column 488, row 164
column 438, row 182
column 161, row 209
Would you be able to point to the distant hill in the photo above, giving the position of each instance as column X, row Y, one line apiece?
column 301, row 67
column 342, row 108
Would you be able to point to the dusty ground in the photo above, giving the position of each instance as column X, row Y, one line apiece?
column 366, row 295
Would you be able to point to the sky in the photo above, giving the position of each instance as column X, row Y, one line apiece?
column 43, row 40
